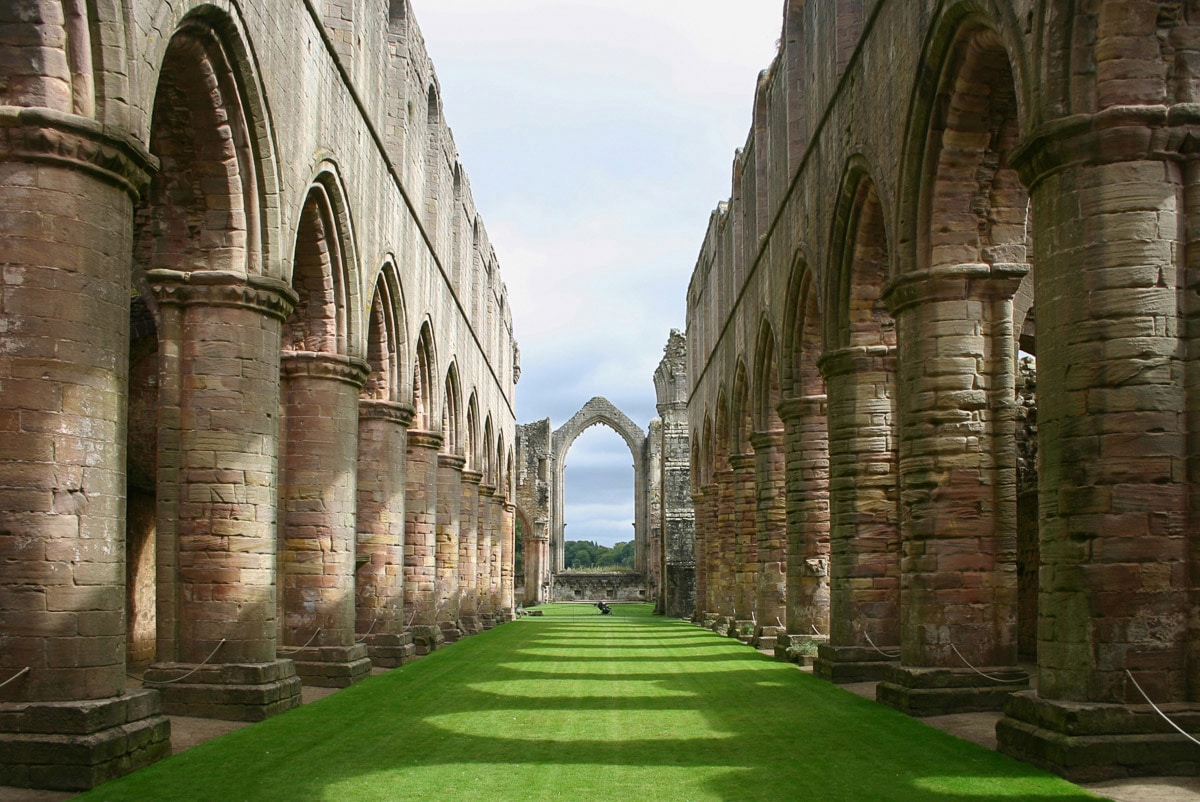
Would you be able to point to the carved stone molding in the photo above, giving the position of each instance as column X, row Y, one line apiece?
column 395, row 411
column 316, row 365
column 269, row 296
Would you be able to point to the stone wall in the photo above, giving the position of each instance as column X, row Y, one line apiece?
column 626, row 587
column 241, row 261
column 921, row 181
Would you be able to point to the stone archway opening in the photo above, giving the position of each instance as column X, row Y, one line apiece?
column 627, row 586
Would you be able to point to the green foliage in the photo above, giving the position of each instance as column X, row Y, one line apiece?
column 579, row 706
column 581, row 554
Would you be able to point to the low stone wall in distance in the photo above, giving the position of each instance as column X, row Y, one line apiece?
column 617, row 586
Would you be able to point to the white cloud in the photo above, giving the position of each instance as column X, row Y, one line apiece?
column 598, row 136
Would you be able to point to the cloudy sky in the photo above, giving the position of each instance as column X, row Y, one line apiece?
column 598, row 136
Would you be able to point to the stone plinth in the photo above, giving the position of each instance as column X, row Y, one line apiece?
column 427, row 638
column 935, row 691
column 332, row 666
column 799, row 649
column 1090, row 742
column 229, row 691
column 390, row 651
column 74, row 746
column 845, row 664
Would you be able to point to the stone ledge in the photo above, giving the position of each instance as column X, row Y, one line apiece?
column 846, row 664
column 1089, row 742
column 103, row 739
column 332, row 666
column 231, row 692
column 936, row 691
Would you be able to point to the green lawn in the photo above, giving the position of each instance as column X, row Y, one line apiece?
column 575, row 706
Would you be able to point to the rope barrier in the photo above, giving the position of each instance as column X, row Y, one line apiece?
column 780, row 623
column 888, row 655
column 367, row 634
column 211, row 655
column 980, row 673
column 1156, row 710
column 305, row 646
column 816, row 631
column 16, row 676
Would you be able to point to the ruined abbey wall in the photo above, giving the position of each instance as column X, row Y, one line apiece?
column 922, row 181
column 257, row 375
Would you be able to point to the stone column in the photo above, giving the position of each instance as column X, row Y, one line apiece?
column 700, row 503
column 722, row 551
column 770, row 515
column 1118, row 538
column 67, row 188
column 449, row 513
column 958, row 490
column 218, row 464
column 468, row 552
column 495, row 518
column 379, row 578
column 420, row 539
column 318, row 502
column 806, row 454
column 487, row 604
column 864, row 574
column 508, row 529
column 745, row 547
column 537, row 559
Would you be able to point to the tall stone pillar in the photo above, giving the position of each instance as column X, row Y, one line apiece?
column 318, row 502
column 420, row 539
column 864, row 574
column 745, row 546
column 495, row 505
column 806, row 455
column 537, row 561
column 468, row 552
column 218, row 445
column 722, row 551
column 958, row 490
column 1118, row 539
column 449, row 517
column 508, row 565
column 770, row 515
column 701, row 503
column 379, row 578
column 67, row 188
column 487, row 531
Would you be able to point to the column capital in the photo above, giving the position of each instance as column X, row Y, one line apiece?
column 741, row 462
column 452, row 461
column 765, row 441
column 978, row 281
column 264, row 294
column 472, row 477
column 855, row 359
column 318, row 365
column 395, row 411
column 79, row 143
column 1112, row 135
column 422, row 438
column 794, row 409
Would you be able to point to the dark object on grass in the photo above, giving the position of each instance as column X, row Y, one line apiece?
column 604, row 608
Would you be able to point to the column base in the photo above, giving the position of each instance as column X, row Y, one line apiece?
column 331, row 666
column 228, row 691
column 390, row 651
column 766, row 638
column 1090, row 742
column 487, row 621
column 74, row 746
column 937, row 691
column 845, row 664
column 426, row 638
column 743, row 629
column 451, row 631
column 798, row 649
column 470, row 625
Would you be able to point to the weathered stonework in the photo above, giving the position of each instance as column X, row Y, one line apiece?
column 922, row 182
column 238, row 260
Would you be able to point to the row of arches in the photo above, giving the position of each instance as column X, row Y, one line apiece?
column 863, row 372
column 268, row 430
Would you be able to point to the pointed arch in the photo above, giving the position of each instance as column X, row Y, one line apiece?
column 386, row 331
column 452, row 412
column 767, row 386
column 860, row 265
column 471, row 434
column 208, row 206
column 489, row 454
column 424, row 394
column 741, row 422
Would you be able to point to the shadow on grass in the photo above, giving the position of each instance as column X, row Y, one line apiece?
column 564, row 707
